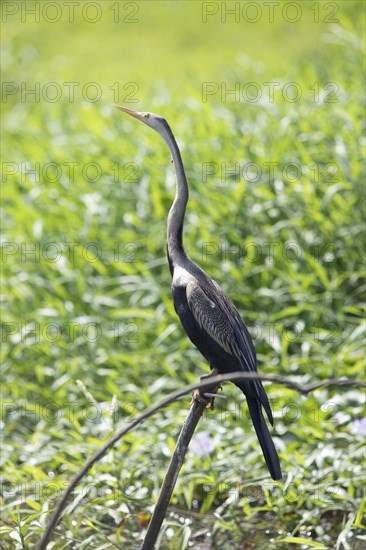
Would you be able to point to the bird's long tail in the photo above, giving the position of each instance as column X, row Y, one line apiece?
column 264, row 437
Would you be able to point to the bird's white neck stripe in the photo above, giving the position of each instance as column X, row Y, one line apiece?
column 181, row 276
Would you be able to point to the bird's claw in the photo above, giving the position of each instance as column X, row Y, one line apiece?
column 207, row 397
column 198, row 396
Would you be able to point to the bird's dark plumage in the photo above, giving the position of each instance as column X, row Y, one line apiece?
column 215, row 327
column 208, row 316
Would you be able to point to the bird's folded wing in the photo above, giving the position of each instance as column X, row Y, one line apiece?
column 227, row 329
column 211, row 319
column 241, row 332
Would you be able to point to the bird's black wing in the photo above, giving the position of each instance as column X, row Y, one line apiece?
column 219, row 318
column 211, row 319
column 241, row 332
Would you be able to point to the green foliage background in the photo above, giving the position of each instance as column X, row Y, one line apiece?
column 90, row 336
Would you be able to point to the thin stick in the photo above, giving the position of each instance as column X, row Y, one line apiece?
column 172, row 473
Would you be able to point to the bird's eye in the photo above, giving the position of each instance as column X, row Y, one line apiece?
column 146, row 116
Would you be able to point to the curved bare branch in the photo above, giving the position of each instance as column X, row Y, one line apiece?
column 195, row 414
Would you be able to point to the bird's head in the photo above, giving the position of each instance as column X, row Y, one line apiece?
column 156, row 122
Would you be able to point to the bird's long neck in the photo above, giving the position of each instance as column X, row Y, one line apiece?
column 176, row 251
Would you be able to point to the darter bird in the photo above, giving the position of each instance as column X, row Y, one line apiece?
column 208, row 316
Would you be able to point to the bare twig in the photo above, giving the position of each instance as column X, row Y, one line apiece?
column 172, row 473
column 163, row 403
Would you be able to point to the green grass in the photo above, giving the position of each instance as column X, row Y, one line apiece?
column 90, row 336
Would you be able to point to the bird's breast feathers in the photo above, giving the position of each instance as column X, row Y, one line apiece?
column 181, row 277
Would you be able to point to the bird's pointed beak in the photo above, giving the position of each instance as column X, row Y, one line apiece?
column 135, row 114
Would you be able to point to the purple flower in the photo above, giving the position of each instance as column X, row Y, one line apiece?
column 359, row 426
column 202, row 444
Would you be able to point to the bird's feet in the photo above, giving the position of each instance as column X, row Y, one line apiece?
column 207, row 395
